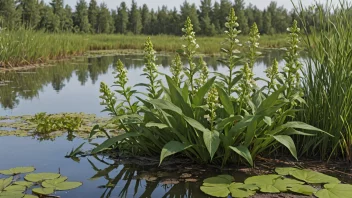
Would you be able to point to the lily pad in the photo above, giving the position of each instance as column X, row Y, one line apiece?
column 16, row 188
column 52, row 183
column 239, row 190
column 335, row 191
column 5, row 182
column 60, row 184
column 303, row 189
column 313, row 177
column 272, row 183
column 39, row 177
column 285, row 171
column 11, row 194
column 30, row 196
column 43, row 191
column 219, row 180
column 17, row 170
column 24, row 183
column 217, row 186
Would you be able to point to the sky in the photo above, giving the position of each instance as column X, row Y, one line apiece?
column 176, row 3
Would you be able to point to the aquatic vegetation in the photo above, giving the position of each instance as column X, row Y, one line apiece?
column 39, row 183
column 49, row 123
column 223, row 185
column 226, row 119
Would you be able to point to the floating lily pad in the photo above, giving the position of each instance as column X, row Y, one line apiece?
column 272, row 183
column 239, row 190
column 219, row 180
column 30, row 196
column 5, row 182
column 335, row 191
column 24, row 183
column 17, row 170
column 43, row 191
column 11, row 194
column 217, row 186
column 39, row 177
column 60, row 184
column 313, row 177
column 303, row 189
column 285, row 171
column 16, row 188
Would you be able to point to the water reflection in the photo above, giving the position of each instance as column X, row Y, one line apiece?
column 74, row 85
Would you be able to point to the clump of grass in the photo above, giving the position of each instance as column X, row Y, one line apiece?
column 327, row 82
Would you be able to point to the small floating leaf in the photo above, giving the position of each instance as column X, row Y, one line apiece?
column 52, row 183
column 285, row 171
column 5, row 182
column 24, row 183
column 239, row 190
column 216, row 191
column 219, row 180
column 60, row 184
column 38, row 177
column 43, row 191
column 282, row 184
column 262, row 179
column 30, row 196
column 303, row 189
column 335, row 191
column 68, row 185
column 11, row 194
column 16, row 188
column 17, row 170
column 313, row 177
column 217, row 186
column 272, row 183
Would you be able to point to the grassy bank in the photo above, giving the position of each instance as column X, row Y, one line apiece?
column 25, row 47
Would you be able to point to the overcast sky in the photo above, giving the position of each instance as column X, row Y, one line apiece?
column 172, row 3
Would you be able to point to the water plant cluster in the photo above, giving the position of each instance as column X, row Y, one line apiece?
column 40, row 184
column 215, row 118
column 298, row 181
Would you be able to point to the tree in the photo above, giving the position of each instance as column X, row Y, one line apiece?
column 8, row 15
column 188, row 10
column 59, row 11
column 267, row 27
column 104, row 19
column 48, row 20
column 93, row 11
column 122, row 19
column 242, row 19
column 225, row 6
column 258, row 18
column 81, row 21
column 29, row 14
column 163, row 20
column 135, row 19
column 208, row 28
column 68, row 23
column 146, row 19
column 215, row 17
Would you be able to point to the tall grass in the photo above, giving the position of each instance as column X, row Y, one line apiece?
column 328, row 82
column 23, row 47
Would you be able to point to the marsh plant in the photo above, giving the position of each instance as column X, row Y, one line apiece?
column 216, row 118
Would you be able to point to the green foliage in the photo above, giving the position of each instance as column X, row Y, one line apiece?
column 50, row 123
column 17, row 170
column 223, row 185
column 230, row 120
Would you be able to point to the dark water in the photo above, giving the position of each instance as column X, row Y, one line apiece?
column 74, row 87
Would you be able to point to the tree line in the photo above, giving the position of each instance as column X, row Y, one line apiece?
column 208, row 19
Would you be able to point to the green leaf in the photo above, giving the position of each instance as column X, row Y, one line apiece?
column 112, row 141
column 211, row 141
column 262, row 179
column 52, row 183
column 301, row 125
column 270, row 100
column 227, row 121
column 225, row 100
column 29, row 196
column 217, row 186
column 216, row 191
column 288, row 143
column 285, row 171
column 199, row 96
column 223, row 180
column 67, row 186
column 43, row 191
column 166, row 105
column 313, row 177
column 172, row 148
column 242, row 190
column 272, row 183
column 17, row 170
column 303, row 189
column 267, row 120
column 282, row 184
column 158, row 125
column 335, row 191
column 195, row 124
column 16, row 188
column 24, row 183
column 244, row 152
column 39, row 177
column 11, row 194
column 5, row 182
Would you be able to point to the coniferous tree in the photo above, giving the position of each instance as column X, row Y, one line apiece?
column 215, row 17
column 239, row 7
column 29, row 13
column 81, row 22
column 225, row 7
column 163, row 20
column 135, row 19
column 93, row 12
column 68, row 23
column 48, row 20
column 59, row 12
column 188, row 10
column 267, row 27
column 121, row 23
column 9, row 17
column 146, row 19
column 104, row 19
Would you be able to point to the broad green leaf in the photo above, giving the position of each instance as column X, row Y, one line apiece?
column 303, row 189
column 166, row 105
column 172, row 148
column 242, row 190
column 301, row 125
column 29, row 196
column 270, row 100
column 285, row 171
column 225, row 100
column 158, row 125
column 282, row 184
column 112, row 141
column 67, row 186
column 211, row 141
column 268, row 188
column 24, row 183
column 15, row 188
column 251, row 129
column 271, row 183
column 267, row 120
column 335, row 191
column 220, row 180
column 292, row 131
column 216, row 191
column 199, row 96
column 43, row 191
column 313, row 177
column 53, row 182
column 244, row 152
column 262, row 179
column 17, row 170
column 288, row 143
column 227, row 121
column 5, row 182
column 39, row 177
column 195, row 124
column 11, row 194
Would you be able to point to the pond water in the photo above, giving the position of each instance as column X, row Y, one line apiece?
column 73, row 86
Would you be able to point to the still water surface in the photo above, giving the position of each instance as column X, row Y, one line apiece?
column 73, row 86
